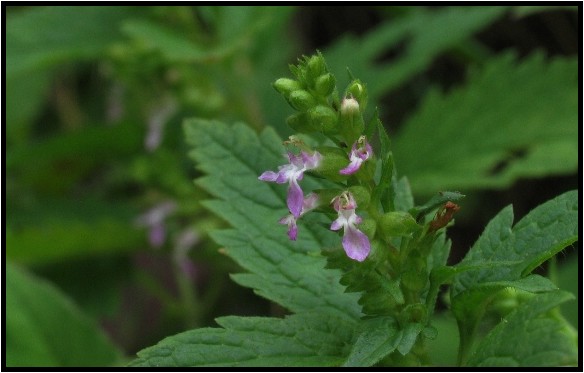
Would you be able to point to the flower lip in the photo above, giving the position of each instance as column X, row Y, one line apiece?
column 360, row 152
column 292, row 173
column 309, row 203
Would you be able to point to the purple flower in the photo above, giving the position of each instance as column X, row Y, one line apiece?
column 355, row 242
column 154, row 220
column 309, row 203
column 360, row 152
column 292, row 173
column 156, row 122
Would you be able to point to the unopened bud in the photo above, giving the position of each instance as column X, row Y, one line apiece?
column 300, row 123
column 325, row 84
column 301, row 100
column 333, row 159
column 323, row 119
column 361, row 194
column 286, row 86
column 315, row 66
column 357, row 90
column 368, row 226
column 349, row 106
column 397, row 223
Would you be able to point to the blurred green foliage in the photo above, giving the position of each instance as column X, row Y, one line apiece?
column 95, row 98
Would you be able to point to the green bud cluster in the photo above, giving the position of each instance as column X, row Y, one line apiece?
column 313, row 94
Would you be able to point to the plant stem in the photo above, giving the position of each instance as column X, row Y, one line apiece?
column 187, row 296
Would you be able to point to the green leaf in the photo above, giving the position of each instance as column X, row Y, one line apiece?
column 290, row 273
column 530, row 336
column 542, row 233
column 423, row 35
column 174, row 47
column 40, row 37
column 81, row 152
column 44, row 328
column 298, row 340
column 61, row 229
column 523, row 11
column 24, row 98
column 503, row 257
column 436, row 201
column 513, row 119
column 379, row 337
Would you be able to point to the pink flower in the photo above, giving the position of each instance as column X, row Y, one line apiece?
column 292, row 173
column 360, row 152
column 355, row 242
column 154, row 220
column 309, row 203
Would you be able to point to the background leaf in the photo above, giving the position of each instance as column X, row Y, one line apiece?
column 422, row 35
column 64, row 230
column 45, row 329
column 531, row 336
column 538, row 236
column 75, row 32
column 513, row 119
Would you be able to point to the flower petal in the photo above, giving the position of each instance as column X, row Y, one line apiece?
column 268, row 176
column 352, row 167
column 356, row 243
column 311, row 161
column 295, row 198
column 337, row 224
column 293, row 231
column 290, row 221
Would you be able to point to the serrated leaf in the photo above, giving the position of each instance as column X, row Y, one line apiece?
column 378, row 338
column 410, row 334
column 530, row 336
column 297, row 340
column 288, row 272
column 423, row 35
column 542, row 233
column 513, row 119
column 503, row 257
column 44, row 328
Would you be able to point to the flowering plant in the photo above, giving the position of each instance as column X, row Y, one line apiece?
column 368, row 298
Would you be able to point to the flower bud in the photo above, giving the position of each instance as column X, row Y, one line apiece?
column 333, row 159
column 349, row 106
column 286, row 86
column 325, row 85
column 368, row 226
column 351, row 120
column 301, row 100
column 315, row 67
column 357, row 90
column 324, row 119
column 397, row 223
column 416, row 312
column 361, row 195
column 300, row 123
